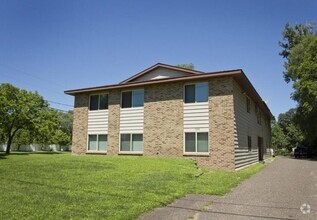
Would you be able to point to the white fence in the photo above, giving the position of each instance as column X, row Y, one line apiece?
column 37, row 147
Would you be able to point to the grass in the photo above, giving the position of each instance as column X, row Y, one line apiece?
column 56, row 186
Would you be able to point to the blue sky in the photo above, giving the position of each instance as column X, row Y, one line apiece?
column 52, row 46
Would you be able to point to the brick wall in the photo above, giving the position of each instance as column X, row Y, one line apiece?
column 80, row 124
column 113, row 122
column 163, row 120
column 163, row 123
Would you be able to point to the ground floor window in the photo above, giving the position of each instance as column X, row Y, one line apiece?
column 97, row 142
column 249, row 143
column 196, row 142
column 131, row 142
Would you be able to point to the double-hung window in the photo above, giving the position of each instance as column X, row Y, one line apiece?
column 131, row 99
column 98, row 102
column 196, row 142
column 97, row 142
column 196, row 93
column 131, row 142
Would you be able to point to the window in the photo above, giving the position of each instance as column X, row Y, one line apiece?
column 249, row 143
column 133, row 98
column 131, row 142
column 98, row 102
column 97, row 142
column 196, row 142
column 196, row 93
column 248, row 104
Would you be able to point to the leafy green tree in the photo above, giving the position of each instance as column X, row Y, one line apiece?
column 66, row 122
column 286, row 132
column 46, row 124
column 189, row 66
column 300, row 51
column 279, row 139
column 22, row 137
column 61, row 138
column 21, row 109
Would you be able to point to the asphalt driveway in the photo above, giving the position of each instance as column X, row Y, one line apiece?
column 285, row 189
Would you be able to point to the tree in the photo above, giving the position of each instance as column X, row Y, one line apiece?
column 61, row 138
column 300, row 52
column 189, row 66
column 279, row 139
column 66, row 122
column 289, row 125
column 21, row 109
column 286, row 132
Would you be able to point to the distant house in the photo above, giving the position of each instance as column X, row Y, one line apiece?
column 216, row 118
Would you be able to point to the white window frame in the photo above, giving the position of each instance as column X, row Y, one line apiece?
column 99, row 94
column 131, row 90
column 196, row 140
column 96, row 151
column 195, row 83
column 131, row 152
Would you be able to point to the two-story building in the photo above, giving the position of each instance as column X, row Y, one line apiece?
column 216, row 118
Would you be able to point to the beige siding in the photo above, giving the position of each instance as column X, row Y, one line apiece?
column 196, row 117
column 246, row 125
column 98, row 122
column 160, row 73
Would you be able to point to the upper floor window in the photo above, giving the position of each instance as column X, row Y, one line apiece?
column 258, row 114
column 98, row 102
column 133, row 98
column 196, row 93
column 248, row 104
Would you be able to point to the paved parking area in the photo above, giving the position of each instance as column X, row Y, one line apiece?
column 285, row 189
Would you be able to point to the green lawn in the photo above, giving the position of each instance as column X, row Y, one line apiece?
column 56, row 186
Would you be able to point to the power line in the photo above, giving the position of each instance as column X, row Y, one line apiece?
column 28, row 74
column 57, row 109
column 58, row 103
column 30, row 84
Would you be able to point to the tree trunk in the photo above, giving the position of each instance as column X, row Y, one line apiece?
column 10, row 141
column 9, row 145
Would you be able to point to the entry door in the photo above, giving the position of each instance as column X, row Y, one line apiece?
column 260, row 148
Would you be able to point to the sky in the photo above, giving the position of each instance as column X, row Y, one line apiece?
column 57, row 45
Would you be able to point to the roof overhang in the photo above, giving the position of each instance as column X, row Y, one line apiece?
column 238, row 75
column 160, row 65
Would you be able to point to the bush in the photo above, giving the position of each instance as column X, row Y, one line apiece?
column 282, row 152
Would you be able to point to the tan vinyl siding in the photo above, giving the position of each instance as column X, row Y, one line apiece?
column 246, row 125
column 160, row 73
